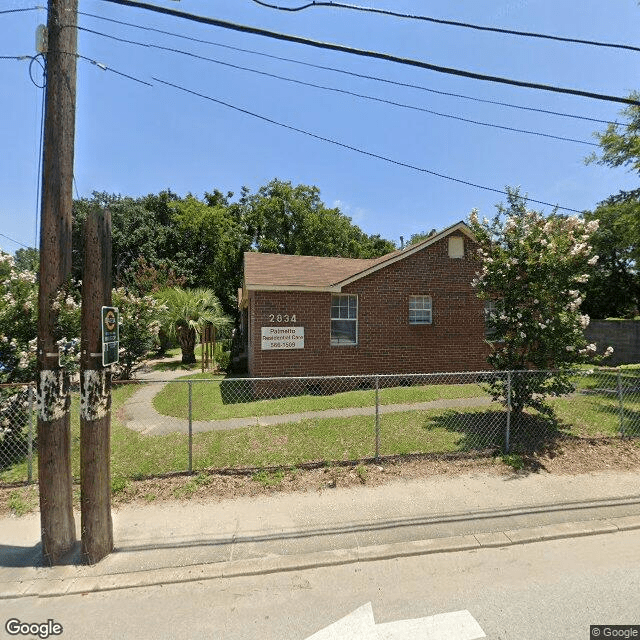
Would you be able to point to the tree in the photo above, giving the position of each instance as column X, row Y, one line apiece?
column 19, row 322
column 614, row 289
column 215, row 242
column 140, row 318
column 281, row 218
column 27, row 259
column 142, row 228
column 532, row 269
column 188, row 312
column 620, row 143
column 419, row 237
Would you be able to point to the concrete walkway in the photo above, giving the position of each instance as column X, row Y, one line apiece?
column 196, row 540
column 140, row 414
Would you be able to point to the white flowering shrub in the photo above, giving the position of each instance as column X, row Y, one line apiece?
column 140, row 320
column 19, row 322
column 532, row 267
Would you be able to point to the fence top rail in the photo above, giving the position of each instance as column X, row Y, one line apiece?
column 362, row 376
column 367, row 376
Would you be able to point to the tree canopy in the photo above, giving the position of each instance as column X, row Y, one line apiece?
column 614, row 288
column 166, row 240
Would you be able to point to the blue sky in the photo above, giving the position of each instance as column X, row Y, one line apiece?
column 133, row 139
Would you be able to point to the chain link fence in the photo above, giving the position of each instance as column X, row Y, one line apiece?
column 202, row 423
column 17, row 427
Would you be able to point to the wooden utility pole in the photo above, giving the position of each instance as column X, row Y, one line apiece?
column 95, row 393
column 54, row 438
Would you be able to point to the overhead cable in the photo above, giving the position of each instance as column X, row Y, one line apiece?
column 20, row 10
column 16, row 241
column 370, row 54
column 352, row 148
column 451, row 23
column 349, row 73
column 342, row 91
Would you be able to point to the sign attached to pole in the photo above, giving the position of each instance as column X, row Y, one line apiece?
column 110, row 335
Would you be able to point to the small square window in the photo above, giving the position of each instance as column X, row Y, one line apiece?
column 420, row 309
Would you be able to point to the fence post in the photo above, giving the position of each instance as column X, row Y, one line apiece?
column 190, row 425
column 620, row 403
column 508, row 425
column 377, row 418
column 30, row 437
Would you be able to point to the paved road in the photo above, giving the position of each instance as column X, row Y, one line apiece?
column 542, row 591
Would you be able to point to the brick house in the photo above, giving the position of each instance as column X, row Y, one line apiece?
column 410, row 311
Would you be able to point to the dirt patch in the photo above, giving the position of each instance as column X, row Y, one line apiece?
column 569, row 457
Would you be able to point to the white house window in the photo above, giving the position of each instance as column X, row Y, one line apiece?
column 344, row 319
column 419, row 309
column 491, row 310
column 456, row 247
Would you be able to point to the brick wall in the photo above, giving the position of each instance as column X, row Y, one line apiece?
column 387, row 343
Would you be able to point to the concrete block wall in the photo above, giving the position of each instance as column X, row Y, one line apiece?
column 622, row 335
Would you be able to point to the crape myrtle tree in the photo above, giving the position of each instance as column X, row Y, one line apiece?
column 18, row 331
column 531, row 271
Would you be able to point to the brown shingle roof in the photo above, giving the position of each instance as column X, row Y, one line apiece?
column 290, row 271
column 266, row 270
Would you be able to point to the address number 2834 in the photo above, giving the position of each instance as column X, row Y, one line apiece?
column 282, row 317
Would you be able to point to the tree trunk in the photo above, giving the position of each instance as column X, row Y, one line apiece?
column 187, row 340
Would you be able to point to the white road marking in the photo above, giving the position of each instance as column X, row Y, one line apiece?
column 360, row 625
column 458, row 625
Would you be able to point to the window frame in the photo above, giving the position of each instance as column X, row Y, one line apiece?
column 422, row 309
column 491, row 306
column 336, row 342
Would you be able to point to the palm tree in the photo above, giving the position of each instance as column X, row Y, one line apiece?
column 188, row 311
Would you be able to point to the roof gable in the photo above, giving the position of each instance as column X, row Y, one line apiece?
column 274, row 272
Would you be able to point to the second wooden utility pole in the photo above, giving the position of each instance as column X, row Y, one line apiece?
column 95, row 392
column 54, row 436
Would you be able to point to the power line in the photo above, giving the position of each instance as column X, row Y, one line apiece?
column 349, row 73
column 452, row 23
column 105, row 67
column 352, row 148
column 16, row 241
column 342, row 91
column 370, row 54
column 19, row 10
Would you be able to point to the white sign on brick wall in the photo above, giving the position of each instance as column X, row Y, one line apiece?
column 282, row 337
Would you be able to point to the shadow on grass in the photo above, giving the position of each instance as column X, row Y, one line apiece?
column 630, row 419
column 530, row 435
column 175, row 365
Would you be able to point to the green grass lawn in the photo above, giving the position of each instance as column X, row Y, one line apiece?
column 422, row 431
column 208, row 403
